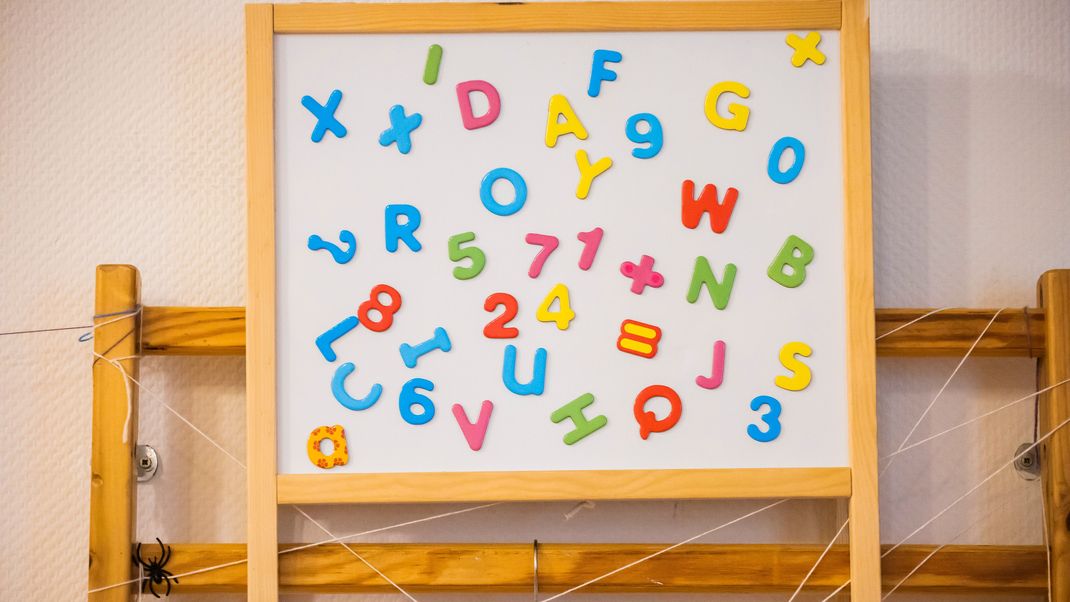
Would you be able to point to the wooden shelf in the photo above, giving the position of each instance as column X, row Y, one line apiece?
column 1016, row 333
column 695, row 568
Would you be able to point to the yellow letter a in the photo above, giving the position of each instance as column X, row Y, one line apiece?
column 559, row 107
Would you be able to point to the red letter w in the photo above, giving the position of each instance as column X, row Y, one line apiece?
column 692, row 208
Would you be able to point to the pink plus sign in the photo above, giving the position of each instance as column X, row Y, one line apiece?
column 642, row 275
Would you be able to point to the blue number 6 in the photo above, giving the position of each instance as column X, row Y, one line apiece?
column 409, row 398
column 770, row 418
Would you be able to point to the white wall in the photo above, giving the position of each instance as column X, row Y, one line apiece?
column 121, row 140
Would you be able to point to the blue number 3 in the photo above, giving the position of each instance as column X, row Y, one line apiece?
column 770, row 418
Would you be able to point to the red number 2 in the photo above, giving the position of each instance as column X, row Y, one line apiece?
column 496, row 328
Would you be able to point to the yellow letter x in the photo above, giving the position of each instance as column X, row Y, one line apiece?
column 806, row 49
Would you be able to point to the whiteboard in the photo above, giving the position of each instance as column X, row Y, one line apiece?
column 345, row 183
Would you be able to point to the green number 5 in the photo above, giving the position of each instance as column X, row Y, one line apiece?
column 479, row 259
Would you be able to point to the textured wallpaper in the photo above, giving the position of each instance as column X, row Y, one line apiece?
column 121, row 141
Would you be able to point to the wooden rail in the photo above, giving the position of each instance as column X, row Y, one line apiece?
column 1017, row 332
column 487, row 568
column 478, row 567
column 1053, row 292
column 112, row 494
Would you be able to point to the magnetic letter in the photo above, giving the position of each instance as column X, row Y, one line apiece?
column 715, row 379
column 316, row 243
column 739, row 113
column 486, row 191
column 795, row 254
column 474, row 432
column 599, row 73
column 468, row 118
column 538, row 373
column 325, row 340
column 785, row 177
column 648, row 422
column 559, row 107
column 410, row 354
column 589, row 172
column 400, row 130
column 325, row 119
column 434, row 59
column 406, row 232
column 805, row 49
column 691, row 209
column 720, row 292
column 573, row 410
column 338, row 387
column 801, row 375
column 337, row 436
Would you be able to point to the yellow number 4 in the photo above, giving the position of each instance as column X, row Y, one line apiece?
column 564, row 314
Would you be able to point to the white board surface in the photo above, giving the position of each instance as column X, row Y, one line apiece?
column 345, row 183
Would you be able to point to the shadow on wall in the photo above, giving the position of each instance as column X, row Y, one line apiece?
column 962, row 161
column 920, row 104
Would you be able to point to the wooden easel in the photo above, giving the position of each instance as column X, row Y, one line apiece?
column 1042, row 333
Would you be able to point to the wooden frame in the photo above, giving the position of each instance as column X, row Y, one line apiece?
column 484, row 567
column 858, row 483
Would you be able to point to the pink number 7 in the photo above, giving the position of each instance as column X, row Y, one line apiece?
column 548, row 244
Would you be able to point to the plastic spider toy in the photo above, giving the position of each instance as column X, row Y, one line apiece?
column 155, row 574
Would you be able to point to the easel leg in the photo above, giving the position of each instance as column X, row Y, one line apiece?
column 112, row 497
column 1053, row 292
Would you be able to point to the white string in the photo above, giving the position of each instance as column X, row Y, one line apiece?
column 126, row 377
column 934, row 552
column 962, row 497
column 129, row 413
column 979, row 485
column 156, row 398
column 334, row 539
column 919, row 420
column 914, row 321
column 975, row 419
column 663, row 550
column 949, row 378
column 819, row 559
column 907, row 437
column 354, row 553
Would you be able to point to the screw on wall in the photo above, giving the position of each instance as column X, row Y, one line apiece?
column 1028, row 462
column 147, row 463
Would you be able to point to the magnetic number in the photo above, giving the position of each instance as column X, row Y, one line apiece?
column 590, row 240
column 409, row 398
column 771, row 419
column 548, row 244
column 496, row 328
column 652, row 136
column 479, row 259
column 564, row 314
column 386, row 312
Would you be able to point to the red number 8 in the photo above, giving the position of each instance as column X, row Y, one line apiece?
column 386, row 312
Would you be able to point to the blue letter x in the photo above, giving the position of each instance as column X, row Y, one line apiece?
column 400, row 129
column 325, row 116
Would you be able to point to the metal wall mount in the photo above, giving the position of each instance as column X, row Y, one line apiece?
column 146, row 461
